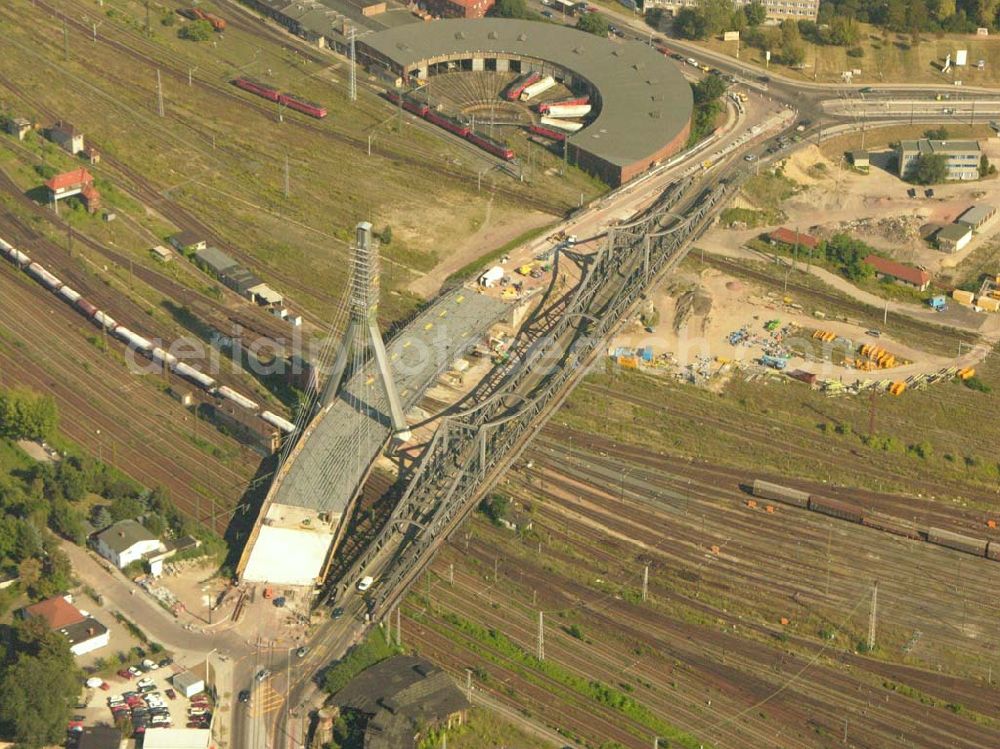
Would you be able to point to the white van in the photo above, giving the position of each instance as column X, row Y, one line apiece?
column 365, row 583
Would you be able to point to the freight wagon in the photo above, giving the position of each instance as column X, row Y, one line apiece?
column 69, row 294
column 197, row 14
column 190, row 373
column 418, row 108
column 957, row 541
column 448, row 123
column 835, row 509
column 889, row 524
column 539, row 87
column 241, row 400
column 767, row 490
column 547, row 133
column 491, row 146
column 86, row 307
column 518, row 86
column 47, row 279
column 274, row 420
column 305, row 106
column 256, row 87
column 545, row 106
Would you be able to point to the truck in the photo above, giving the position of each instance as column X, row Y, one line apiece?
column 938, row 303
column 774, row 362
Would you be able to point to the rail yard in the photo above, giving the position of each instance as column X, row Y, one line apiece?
column 533, row 474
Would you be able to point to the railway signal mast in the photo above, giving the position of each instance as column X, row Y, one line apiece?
column 363, row 328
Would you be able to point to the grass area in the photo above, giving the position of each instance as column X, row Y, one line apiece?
column 483, row 728
column 887, row 57
column 226, row 163
column 469, row 270
column 876, row 138
column 768, row 190
column 375, row 648
column 982, row 261
column 747, row 217
column 12, row 458
column 925, row 417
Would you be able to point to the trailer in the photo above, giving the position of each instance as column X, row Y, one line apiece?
column 569, row 110
column 544, row 107
column 274, row 420
column 518, row 86
column 567, row 125
column 539, row 87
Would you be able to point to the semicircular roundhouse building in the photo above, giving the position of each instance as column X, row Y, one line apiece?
column 642, row 101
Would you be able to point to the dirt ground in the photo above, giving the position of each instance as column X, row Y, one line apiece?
column 497, row 226
column 875, row 208
column 724, row 305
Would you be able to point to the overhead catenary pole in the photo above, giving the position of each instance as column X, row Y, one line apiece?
column 354, row 66
column 645, row 582
column 872, row 617
column 159, row 93
column 288, row 190
column 540, row 649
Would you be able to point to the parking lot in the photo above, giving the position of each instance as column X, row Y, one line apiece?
column 144, row 698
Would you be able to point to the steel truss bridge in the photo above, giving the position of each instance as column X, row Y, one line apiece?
column 472, row 447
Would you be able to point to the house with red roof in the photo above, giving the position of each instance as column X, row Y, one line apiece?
column 77, row 182
column 84, row 632
column 903, row 274
column 792, row 238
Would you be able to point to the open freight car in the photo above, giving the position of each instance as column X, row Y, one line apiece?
column 835, row 509
column 767, row 490
column 957, row 541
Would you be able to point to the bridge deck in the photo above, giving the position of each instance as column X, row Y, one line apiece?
column 325, row 471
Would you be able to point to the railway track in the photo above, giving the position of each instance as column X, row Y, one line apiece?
column 411, row 155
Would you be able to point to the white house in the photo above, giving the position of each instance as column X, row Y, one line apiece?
column 82, row 630
column 125, row 542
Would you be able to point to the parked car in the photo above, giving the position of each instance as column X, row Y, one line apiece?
column 244, row 695
column 192, row 711
column 171, row 694
column 301, row 652
column 265, row 672
column 364, row 584
column 337, row 613
column 166, row 662
column 125, row 673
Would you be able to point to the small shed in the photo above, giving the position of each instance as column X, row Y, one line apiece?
column 19, row 127
column 161, row 253
column 188, row 241
column 954, row 237
column 188, row 684
column 860, row 159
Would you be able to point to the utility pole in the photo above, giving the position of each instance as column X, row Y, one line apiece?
column 645, row 582
column 354, row 67
column 496, row 569
column 399, row 628
column 149, row 29
column 468, row 684
column 159, row 93
column 540, row 652
column 871, row 621
column 287, row 186
column 451, row 574
column 65, row 41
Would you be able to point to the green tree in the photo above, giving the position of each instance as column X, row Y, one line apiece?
column 386, row 235
column 793, row 52
column 495, row 507
column 709, row 88
column 510, row 9
column 937, row 133
column 895, row 15
column 718, row 15
column 984, row 165
column 943, row 9
column 126, row 508
column 39, row 685
column 931, row 169
column 196, row 31
column 24, row 414
column 755, row 13
column 690, row 23
column 593, row 23
column 100, row 518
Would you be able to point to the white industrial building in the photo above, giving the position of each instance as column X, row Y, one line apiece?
column 125, row 542
column 188, row 684
column 83, row 631
column 291, row 547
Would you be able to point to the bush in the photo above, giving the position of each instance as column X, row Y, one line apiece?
column 855, row 52
column 974, row 383
column 196, row 31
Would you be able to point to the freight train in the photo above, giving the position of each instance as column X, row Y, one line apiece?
column 452, row 125
column 146, row 347
column 989, row 549
column 197, row 14
column 292, row 101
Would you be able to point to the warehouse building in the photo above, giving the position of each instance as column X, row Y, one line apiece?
column 905, row 275
column 792, row 238
column 954, row 237
column 961, row 156
column 643, row 103
column 977, row 216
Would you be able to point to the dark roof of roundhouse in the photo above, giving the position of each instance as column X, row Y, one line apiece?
column 645, row 100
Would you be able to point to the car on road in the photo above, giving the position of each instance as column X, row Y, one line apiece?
column 244, row 695
column 265, row 672
column 365, row 583
column 302, row 652
column 874, row 333
column 171, row 694
column 929, row 193
column 166, row 662
column 337, row 613
column 750, row 157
